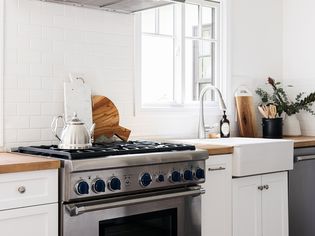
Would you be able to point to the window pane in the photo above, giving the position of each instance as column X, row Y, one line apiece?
column 199, row 67
column 206, row 61
column 166, row 15
column 157, row 69
column 191, row 20
column 208, row 22
column 191, row 69
column 148, row 21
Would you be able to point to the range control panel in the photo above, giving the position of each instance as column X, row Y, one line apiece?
column 139, row 178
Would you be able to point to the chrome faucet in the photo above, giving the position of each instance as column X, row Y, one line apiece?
column 202, row 128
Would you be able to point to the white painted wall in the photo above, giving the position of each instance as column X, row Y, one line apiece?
column 256, row 43
column 299, row 51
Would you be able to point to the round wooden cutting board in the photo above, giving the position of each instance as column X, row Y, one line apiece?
column 106, row 119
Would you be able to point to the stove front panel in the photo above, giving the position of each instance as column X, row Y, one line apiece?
column 108, row 182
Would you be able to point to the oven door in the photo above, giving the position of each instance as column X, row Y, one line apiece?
column 162, row 213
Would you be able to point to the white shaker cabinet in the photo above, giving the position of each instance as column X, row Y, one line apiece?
column 30, row 221
column 216, row 202
column 29, row 203
column 260, row 205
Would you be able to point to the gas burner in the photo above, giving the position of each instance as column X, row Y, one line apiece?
column 106, row 149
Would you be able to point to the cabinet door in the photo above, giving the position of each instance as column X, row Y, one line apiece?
column 247, row 206
column 275, row 204
column 216, row 202
column 30, row 221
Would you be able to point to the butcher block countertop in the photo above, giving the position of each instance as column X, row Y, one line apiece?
column 13, row 162
column 302, row 141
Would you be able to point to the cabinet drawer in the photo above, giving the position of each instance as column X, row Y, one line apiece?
column 28, row 188
column 30, row 221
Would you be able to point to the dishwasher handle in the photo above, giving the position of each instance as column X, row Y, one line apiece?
column 304, row 158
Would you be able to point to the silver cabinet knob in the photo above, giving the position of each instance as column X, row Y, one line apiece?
column 22, row 189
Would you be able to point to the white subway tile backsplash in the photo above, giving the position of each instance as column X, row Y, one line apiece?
column 10, row 109
column 53, row 33
column 11, row 82
column 40, row 95
column 47, row 135
column 11, row 56
column 51, row 108
column 16, row 42
column 16, row 69
column 50, row 83
column 53, row 58
column 16, row 95
column 42, row 45
column 10, row 135
column 25, row 109
column 75, row 35
column 67, row 22
column 29, row 83
column 40, row 121
column 41, row 70
column 28, row 57
column 34, row 31
column 28, row 135
column 17, row 122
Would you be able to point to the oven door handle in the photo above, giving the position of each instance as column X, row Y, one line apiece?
column 75, row 210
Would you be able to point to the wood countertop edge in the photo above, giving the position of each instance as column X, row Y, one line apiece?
column 302, row 141
column 13, row 163
column 216, row 149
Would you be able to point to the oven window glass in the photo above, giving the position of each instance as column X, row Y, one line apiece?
column 159, row 223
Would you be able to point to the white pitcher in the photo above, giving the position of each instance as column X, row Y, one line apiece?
column 291, row 126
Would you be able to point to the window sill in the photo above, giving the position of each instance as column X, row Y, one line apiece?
column 211, row 107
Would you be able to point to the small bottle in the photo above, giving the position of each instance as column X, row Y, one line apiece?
column 224, row 127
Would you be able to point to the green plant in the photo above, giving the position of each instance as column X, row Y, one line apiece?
column 280, row 99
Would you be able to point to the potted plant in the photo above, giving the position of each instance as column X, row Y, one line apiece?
column 286, row 107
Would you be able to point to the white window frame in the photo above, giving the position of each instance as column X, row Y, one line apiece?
column 221, row 67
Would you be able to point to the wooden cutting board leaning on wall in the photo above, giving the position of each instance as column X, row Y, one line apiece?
column 246, row 116
column 106, row 119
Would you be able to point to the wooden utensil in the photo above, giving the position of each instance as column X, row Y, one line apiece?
column 262, row 112
column 246, row 117
column 106, row 119
column 266, row 110
column 272, row 111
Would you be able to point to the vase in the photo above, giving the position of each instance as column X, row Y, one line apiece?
column 291, row 126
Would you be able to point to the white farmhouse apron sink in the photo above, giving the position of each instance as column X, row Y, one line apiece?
column 254, row 156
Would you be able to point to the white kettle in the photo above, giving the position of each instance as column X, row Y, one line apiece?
column 74, row 134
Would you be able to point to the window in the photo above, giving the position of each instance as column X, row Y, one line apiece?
column 180, row 47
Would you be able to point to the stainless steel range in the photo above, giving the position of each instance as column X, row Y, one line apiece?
column 129, row 189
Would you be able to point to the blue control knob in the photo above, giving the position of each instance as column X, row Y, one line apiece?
column 175, row 176
column 82, row 187
column 145, row 180
column 160, row 178
column 188, row 175
column 200, row 173
column 114, row 184
column 99, row 186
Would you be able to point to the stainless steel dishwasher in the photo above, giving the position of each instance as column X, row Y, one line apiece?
column 302, row 193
